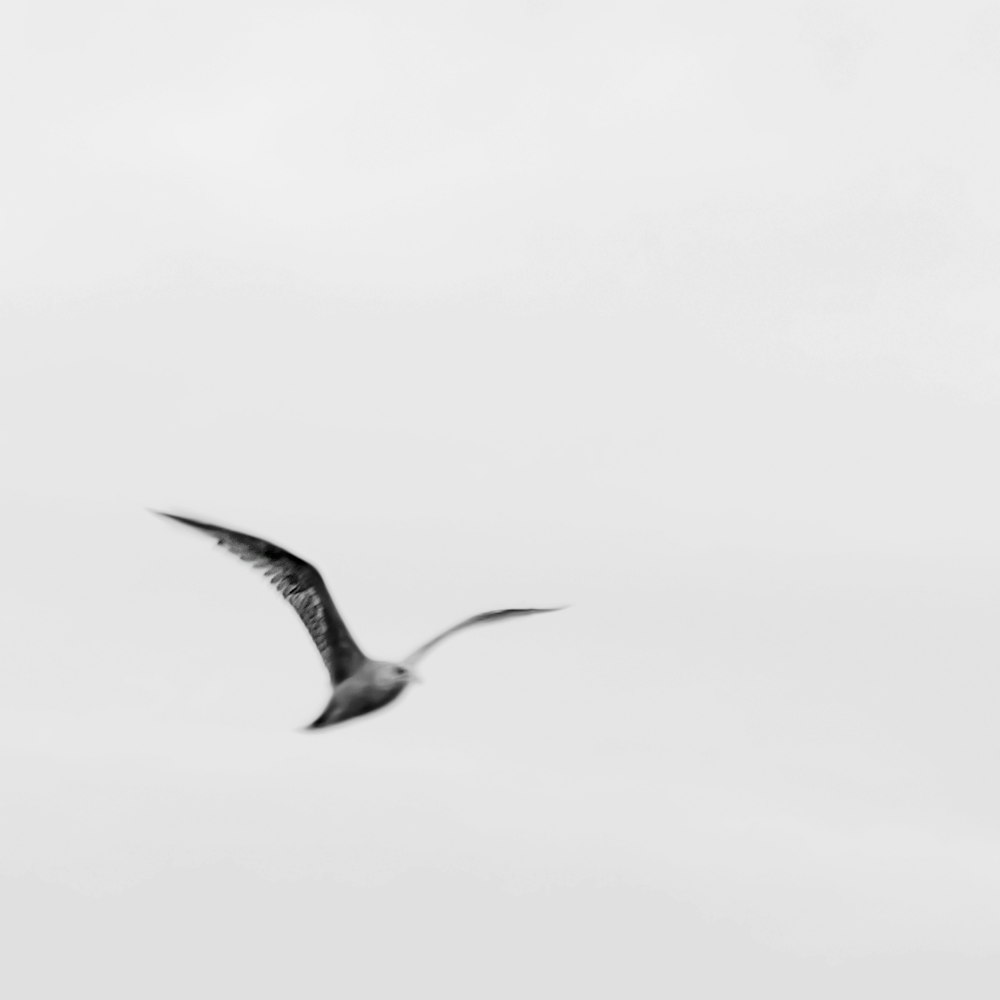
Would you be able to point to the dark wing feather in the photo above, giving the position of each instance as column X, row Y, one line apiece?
column 481, row 619
column 302, row 586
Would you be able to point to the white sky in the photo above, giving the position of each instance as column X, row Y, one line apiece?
column 683, row 314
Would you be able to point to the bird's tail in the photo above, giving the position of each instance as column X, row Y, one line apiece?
column 326, row 718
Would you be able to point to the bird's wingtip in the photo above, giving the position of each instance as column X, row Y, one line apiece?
column 179, row 518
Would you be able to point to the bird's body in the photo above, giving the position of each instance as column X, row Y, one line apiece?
column 360, row 684
column 372, row 687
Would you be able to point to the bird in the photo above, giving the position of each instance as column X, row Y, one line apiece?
column 360, row 684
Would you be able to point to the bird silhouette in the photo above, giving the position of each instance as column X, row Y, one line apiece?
column 360, row 684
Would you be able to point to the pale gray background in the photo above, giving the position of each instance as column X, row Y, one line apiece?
column 684, row 314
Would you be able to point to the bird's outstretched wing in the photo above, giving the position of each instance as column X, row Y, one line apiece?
column 487, row 616
column 302, row 586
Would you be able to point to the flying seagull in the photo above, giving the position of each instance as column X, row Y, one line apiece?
column 360, row 684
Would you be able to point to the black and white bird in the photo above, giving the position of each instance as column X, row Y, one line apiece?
column 360, row 684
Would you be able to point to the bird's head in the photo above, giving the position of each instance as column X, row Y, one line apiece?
column 395, row 675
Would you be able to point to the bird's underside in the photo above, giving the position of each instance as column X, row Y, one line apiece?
column 360, row 684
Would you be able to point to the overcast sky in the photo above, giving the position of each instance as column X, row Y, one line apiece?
column 683, row 314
